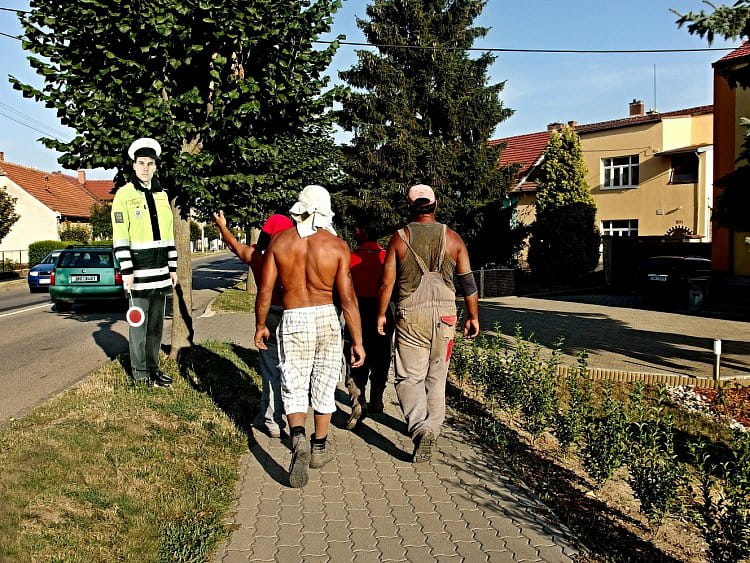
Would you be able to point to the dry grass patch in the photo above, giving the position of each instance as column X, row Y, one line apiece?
column 111, row 472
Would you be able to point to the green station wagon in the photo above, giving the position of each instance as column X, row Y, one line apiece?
column 84, row 274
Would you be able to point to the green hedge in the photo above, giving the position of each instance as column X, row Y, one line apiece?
column 38, row 250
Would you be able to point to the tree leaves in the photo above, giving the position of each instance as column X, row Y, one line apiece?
column 180, row 70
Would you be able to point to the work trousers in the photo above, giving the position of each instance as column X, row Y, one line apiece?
column 425, row 327
column 145, row 340
column 271, row 410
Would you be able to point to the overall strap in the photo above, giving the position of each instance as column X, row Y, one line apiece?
column 443, row 237
column 420, row 262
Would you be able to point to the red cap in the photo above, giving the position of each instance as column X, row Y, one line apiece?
column 276, row 223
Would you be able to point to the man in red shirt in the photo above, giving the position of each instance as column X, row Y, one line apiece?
column 366, row 269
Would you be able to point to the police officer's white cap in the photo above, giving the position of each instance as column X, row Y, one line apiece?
column 145, row 146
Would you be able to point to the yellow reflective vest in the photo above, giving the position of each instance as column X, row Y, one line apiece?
column 143, row 238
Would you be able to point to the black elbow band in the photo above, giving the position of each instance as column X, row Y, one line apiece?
column 468, row 283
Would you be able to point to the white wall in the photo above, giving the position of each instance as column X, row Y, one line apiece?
column 36, row 222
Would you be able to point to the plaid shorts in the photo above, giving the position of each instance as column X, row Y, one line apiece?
column 311, row 357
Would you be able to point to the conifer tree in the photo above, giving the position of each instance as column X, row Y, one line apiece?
column 565, row 240
column 421, row 111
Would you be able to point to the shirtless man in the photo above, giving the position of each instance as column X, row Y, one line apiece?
column 270, row 418
column 310, row 261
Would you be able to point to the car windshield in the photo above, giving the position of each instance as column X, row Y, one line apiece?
column 85, row 259
column 50, row 258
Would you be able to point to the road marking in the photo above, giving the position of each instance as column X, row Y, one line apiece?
column 24, row 310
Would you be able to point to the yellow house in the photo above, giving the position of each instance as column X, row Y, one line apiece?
column 650, row 173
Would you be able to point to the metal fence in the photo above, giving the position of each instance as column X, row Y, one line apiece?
column 494, row 282
column 11, row 260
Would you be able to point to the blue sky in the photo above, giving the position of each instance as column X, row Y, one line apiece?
column 541, row 88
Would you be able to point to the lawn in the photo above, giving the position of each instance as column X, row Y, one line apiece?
column 111, row 472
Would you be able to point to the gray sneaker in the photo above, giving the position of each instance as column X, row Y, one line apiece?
column 423, row 447
column 320, row 455
column 300, row 461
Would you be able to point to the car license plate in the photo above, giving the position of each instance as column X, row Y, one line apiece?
column 658, row 277
column 84, row 278
column 43, row 281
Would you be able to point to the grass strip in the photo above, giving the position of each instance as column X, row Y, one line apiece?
column 235, row 299
column 111, row 472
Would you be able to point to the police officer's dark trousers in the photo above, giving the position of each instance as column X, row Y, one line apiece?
column 145, row 340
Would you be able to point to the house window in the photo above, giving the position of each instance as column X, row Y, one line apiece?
column 620, row 172
column 684, row 168
column 620, row 228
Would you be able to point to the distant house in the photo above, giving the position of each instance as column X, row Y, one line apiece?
column 730, row 252
column 650, row 173
column 44, row 201
column 526, row 151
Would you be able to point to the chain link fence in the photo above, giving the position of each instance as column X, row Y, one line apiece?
column 493, row 282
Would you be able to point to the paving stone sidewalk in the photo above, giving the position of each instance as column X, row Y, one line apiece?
column 372, row 504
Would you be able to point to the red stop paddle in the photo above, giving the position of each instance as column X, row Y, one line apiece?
column 134, row 315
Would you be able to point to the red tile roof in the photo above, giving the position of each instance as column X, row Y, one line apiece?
column 100, row 189
column 522, row 149
column 740, row 52
column 57, row 191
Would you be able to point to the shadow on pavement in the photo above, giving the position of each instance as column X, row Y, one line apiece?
column 367, row 433
column 662, row 346
column 104, row 315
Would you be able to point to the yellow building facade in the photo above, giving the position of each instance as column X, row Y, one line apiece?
column 652, row 174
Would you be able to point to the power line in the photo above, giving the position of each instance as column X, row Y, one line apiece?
column 29, row 126
column 19, row 113
column 15, row 10
column 511, row 50
column 504, row 49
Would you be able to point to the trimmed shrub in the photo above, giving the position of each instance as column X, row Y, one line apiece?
column 38, row 250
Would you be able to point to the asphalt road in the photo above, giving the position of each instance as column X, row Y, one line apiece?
column 43, row 353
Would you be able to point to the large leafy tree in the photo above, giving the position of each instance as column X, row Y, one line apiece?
column 226, row 86
column 565, row 240
column 420, row 110
column 8, row 215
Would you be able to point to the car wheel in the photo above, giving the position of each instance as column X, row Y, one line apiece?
column 61, row 306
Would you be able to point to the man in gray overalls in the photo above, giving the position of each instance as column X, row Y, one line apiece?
column 421, row 260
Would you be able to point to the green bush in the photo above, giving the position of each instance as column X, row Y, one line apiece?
column 606, row 442
column 8, row 265
column 38, row 250
column 78, row 233
column 571, row 422
column 655, row 474
column 724, row 514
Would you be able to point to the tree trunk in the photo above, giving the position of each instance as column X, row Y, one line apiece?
column 182, row 295
column 250, row 285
